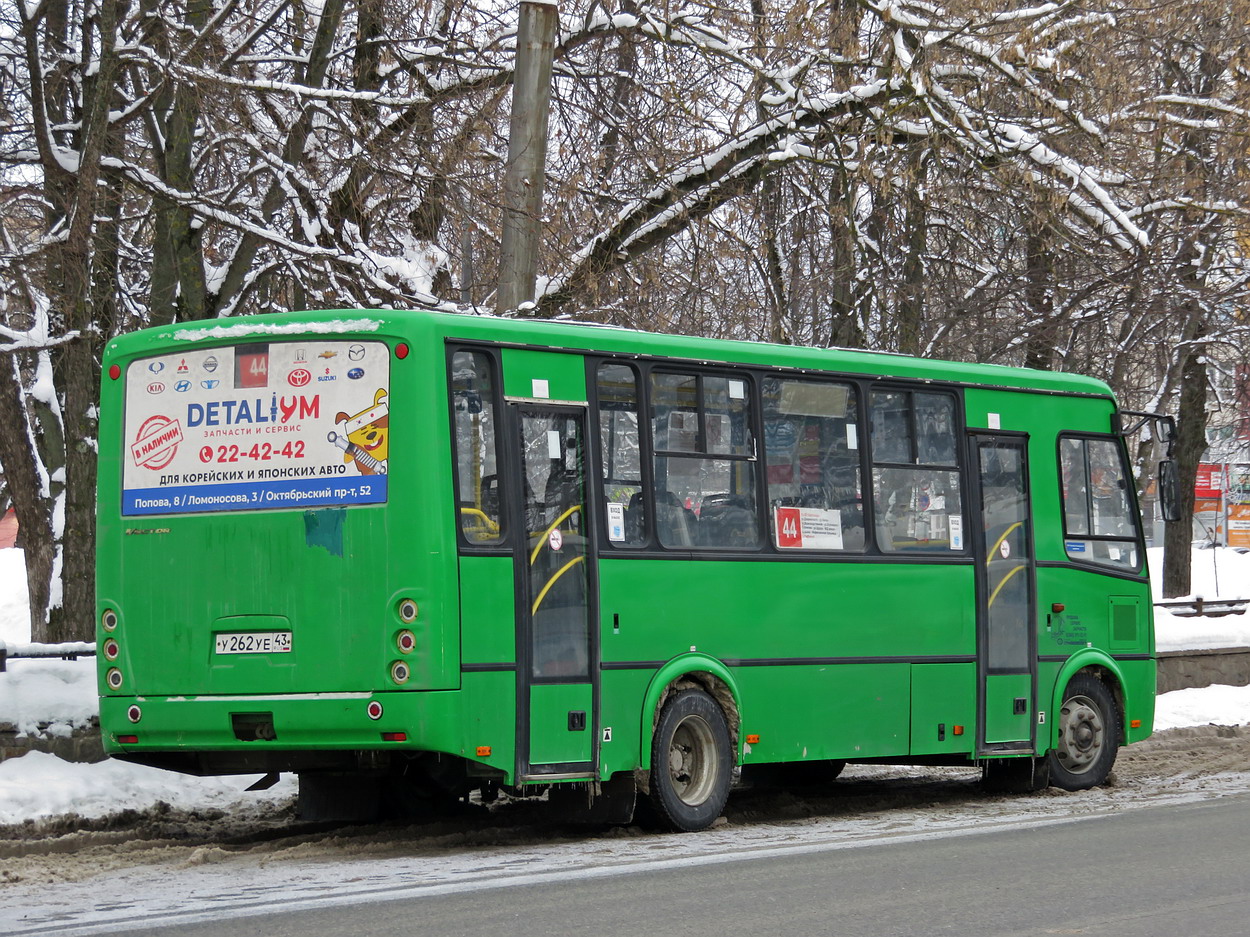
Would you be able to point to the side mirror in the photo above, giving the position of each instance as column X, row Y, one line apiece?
column 1169, row 491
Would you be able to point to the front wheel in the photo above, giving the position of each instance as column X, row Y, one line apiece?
column 691, row 762
column 1089, row 735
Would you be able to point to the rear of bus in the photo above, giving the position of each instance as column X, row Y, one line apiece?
column 269, row 562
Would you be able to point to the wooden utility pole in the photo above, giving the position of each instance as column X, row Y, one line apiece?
column 527, row 154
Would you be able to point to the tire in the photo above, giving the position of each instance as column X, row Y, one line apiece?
column 1089, row 735
column 691, row 763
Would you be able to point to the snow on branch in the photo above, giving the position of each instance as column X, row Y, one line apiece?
column 707, row 181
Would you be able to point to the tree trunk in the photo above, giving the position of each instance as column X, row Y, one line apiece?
column 1191, row 425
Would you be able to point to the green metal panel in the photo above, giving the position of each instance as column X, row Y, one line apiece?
column 943, row 696
column 487, row 609
column 1139, row 680
column 488, row 703
column 826, row 711
column 552, row 741
column 544, row 375
column 621, row 707
column 732, row 610
column 746, row 612
column 330, row 721
column 1002, row 723
column 1125, row 621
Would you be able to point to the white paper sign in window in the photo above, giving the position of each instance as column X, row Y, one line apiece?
column 808, row 529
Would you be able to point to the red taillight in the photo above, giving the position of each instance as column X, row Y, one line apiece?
column 127, row 739
column 374, row 709
column 394, row 736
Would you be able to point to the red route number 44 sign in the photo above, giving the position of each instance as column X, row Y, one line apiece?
column 789, row 528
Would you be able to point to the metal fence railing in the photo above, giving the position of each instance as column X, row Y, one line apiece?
column 1209, row 608
column 71, row 650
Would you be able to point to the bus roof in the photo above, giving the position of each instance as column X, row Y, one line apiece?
column 557, row 334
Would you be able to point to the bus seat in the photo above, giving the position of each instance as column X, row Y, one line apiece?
column 675, row 525
column 636, row 518
column 563, row 491
column 726, row 521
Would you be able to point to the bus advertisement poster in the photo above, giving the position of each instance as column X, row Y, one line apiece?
column 288, row 424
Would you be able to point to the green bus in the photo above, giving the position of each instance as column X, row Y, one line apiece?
column 621, row 566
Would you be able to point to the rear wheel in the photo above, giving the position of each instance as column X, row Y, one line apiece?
column 691, row 762
column 1089, row 735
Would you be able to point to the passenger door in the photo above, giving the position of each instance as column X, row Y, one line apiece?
column 1006, row 604
column 557, row 649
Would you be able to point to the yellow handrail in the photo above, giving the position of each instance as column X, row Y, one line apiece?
column 494, row 527
column 552, row 581
column 1003, row 582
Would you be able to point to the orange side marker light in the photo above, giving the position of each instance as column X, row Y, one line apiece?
column 483, row 751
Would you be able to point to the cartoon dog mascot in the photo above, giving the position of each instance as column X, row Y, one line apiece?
column 364, row 436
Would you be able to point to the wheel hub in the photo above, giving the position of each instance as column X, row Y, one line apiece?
column 1080, row 734
column 692, row 763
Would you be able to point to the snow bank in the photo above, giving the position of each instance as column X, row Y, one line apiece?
column 1173, row 633
column 1210, row 705
column 41, row 785
column 61, row 693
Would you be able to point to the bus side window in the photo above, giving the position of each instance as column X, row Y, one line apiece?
column 915, row 475
column 811, row 441
column 620, row 455
column 704, row 461
column 1100, row 525
column 479, row 494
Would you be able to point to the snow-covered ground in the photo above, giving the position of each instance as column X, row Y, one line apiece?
column 61, row 694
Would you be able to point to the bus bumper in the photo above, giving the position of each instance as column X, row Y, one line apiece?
column 289, row 732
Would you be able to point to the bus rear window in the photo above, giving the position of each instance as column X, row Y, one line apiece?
column 290, row 424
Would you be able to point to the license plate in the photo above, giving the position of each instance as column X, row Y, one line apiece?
column 253, row 642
